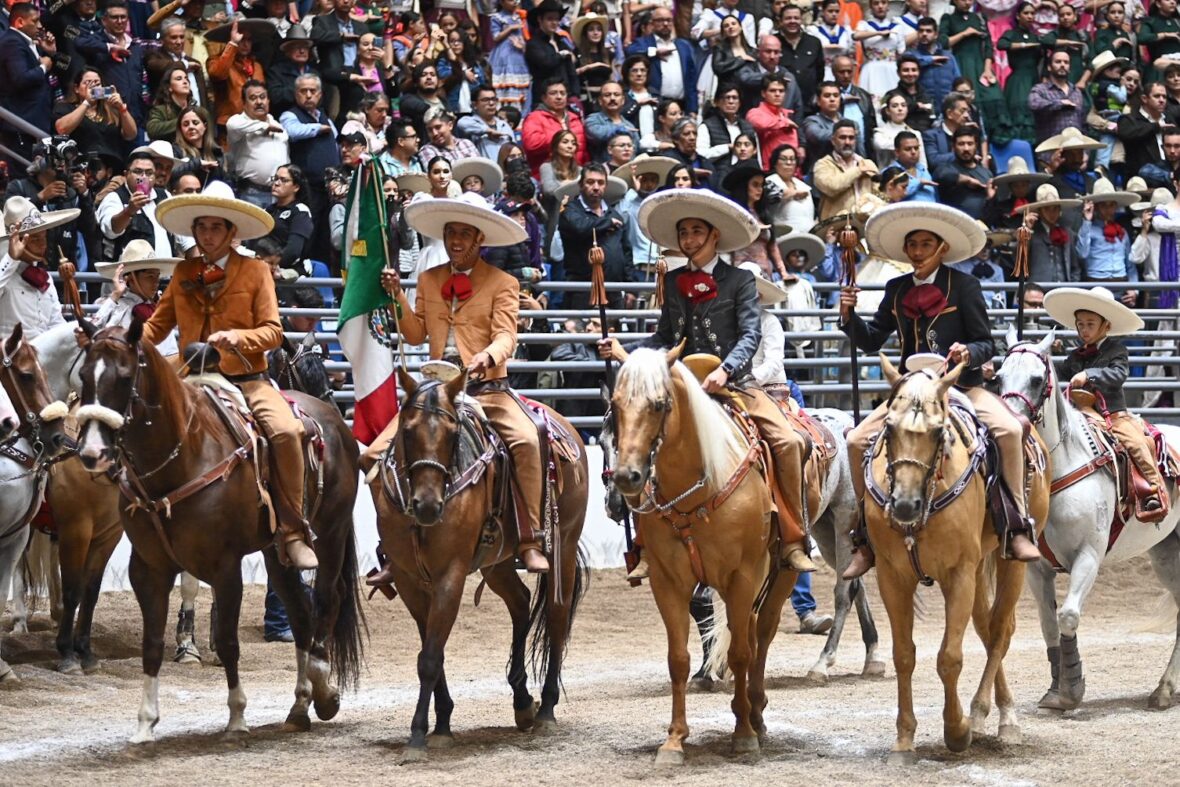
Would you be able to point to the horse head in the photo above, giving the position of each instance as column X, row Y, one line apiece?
column 643, row 415
column 1026, row 377
column 110, row 373
column 917, row 435
column 616, row 506
column 41, row 415
column 300, row 369
column 428, row 434
column 9, row 418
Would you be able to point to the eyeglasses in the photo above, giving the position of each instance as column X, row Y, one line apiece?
column 145, row 173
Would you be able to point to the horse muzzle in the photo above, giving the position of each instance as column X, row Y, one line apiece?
column 629, row 479
column 8, row 425
column 906, row 510
column 426, row 510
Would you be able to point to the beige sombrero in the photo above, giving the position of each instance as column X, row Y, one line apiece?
column 582, row 22
column 177, row 214
column 161, row 149
column 1018, row 170
column 413, row 182
column 769, row 293
column 1105, row 59
column 484, row 168
column 431, row 217
column 616, row 189
column 660, row 214
column 21, row 215
column 1061, row 304
column 138, row 256
column 805, row 242
column 1139, row 186
column 659, row 166
column 1104, row 191
column 1047, row 197
column 887, row 228
column 1160, row 196
column 1069, row 139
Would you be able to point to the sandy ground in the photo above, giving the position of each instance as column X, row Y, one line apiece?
column 72, row 730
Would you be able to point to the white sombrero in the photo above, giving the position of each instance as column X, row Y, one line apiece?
column 484, row 168
column 413, row 182
column 431, row 217
column 1048, row 197
column 581, row 23
column 1063, row 303
column 769, row 293
column 1104, row 191
column 616, row 189
column 21, row 215
column 162, row 149
column 1138, row 185
column 921, row 361
column 1069, row 139
column 138, row 256
column 660, row 214
column 1018, row 170
column 887, row 228
column 177, row 214
column 805, row 242
column 1105, row 59
column 659, row 166
column 1160, row 196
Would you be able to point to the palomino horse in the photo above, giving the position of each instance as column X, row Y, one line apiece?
column 437, row 501
column 703, row 510
column 928, row 519
column 31, row 423
column 1081, row 517
column 179, row 462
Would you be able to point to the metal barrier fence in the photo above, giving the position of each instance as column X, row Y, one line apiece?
column 819, row 360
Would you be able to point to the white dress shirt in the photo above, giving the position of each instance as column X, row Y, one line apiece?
column 112, row 205
column 21, row 302
column 255, row 152
column 671, row 73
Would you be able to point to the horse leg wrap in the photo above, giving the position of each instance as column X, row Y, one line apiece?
column 1073, row 680
column 185, row 625
column 1051, row 697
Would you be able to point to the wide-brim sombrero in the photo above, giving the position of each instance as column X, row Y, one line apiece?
column 662, row 212
column 1069, row 139
column 769, row 293
column 431, row 217
column 805, row 242
column 138, row 256
column 922, row 361
column 1104, row 191
column 1048, row 197
column 887, row 228
column 38, row 221
column 616, row 189
column 659, row 166
column 1061, row 304
column 177, row 214
column 413, row 182
column 487, row 170
column 581, row 23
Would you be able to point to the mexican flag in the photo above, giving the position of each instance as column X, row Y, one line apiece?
column 368, row 347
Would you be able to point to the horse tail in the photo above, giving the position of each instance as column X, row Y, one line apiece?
column 540, row 636
column 1163, row 618
column 717, row 638
column 36, row 564
column 350, row 629
column 988, row 571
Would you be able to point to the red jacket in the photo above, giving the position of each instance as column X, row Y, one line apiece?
column 537, row 135
column 774, row 127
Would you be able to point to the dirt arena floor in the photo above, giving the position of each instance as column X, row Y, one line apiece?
column 73, row 730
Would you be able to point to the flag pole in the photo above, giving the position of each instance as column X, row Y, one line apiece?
column 394, row 307
column 848, row 241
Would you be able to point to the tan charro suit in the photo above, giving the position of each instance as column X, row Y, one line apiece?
column 485, row 322
column 244, row 302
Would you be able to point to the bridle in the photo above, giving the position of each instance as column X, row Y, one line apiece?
column 932, row 470
column 417, row 402
column 1035, row 410
column 31, row 416
column 649, row 505
column 292, row 378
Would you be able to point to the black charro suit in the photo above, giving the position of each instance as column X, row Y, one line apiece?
column 727, row 326
column 1105, row 372
column 963, row 320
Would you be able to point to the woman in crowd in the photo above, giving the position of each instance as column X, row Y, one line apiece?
column 561, row 168
column 596, row 57
column 684, row 150
column 893, row 121
column 510, row 72
column 411, row 37
column 293, row 225
column 372, row 72
column 371, row 120
column 462, row 69
column 835, row 38
column 730, row 51
column 194, row 138
column 1116, row 34
column 173, row 95
column 98, row 125
column 1024, row 58
column 641, row 102
column 668, row 114
column 795, row 207
column 722, row 125
column 681, row 177
column 745, row 185
column 882, row 40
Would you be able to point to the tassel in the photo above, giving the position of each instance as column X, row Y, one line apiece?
column 848, row 241
column 657, row 301
column 1020, row 265
column 597, row 258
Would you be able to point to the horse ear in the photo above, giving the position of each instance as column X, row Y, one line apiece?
column 1011, row 338
column 673, row 355
column 889, row 370
column 309, row 339
column 14, row 339
column 949, row 379
column 88, row 328
column 135, row 332
column 455, row 387
column 287, row 347
column 406, row 382
column 1046, row 344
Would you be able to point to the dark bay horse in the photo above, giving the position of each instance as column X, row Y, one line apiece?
column 164, row 434
column 434, row 513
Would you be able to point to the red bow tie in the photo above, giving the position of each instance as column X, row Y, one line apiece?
column 1113, row 231
column 697, row 286
column 143, row 311
column 1058, row 236
column 925, row 300
column 208, row 273
column 1087, row 351
column 36, row 276
column 1018, row 203
column 457, row 286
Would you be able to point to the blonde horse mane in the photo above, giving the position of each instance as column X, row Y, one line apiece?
column 645, row 377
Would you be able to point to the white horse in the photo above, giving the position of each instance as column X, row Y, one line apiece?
column 1080, row 518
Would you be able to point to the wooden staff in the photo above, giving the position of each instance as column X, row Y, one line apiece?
column 69, row 286
column 848, row 242
column 1020, row 273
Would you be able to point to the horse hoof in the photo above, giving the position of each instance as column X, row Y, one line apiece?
column 1053, row 701
column 669, row 757
column 525, row 716
column 188, row 655
column 1159, row 700
column 9, row 677
column 815, row 676
column 216, row 661
column 904, row 758
column 412, row 754
column 440, row 741
column 70, row 667
column 544, row 727
column 958, row 743
column 873, row 669
column 745, row 744
column 297, row 722
column 1010, row 735
column 141, row 738
column 234, row 732
column 327, row 708
column 978, row 722
column 91, row 666
column 702, row 685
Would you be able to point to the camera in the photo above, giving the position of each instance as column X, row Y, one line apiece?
column 59, row 153
column 102, row 93
column 772, row 193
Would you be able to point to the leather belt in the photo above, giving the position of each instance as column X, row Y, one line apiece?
column 238, row 379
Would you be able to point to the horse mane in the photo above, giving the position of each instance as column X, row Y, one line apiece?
column 646, row 377
column 923, row 395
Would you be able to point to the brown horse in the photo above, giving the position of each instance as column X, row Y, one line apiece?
column 703, row 510
column 919, row 525
column 437, row 510
column 193, row 503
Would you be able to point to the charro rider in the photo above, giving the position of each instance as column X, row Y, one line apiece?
column 934, row 310
column 713, row 308
column 136, row 290
column 1100, row 364
column 27, row 294
column 468, row 310
column 228, row 301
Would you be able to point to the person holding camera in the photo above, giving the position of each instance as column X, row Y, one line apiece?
column 118, row 57
column 94, row 116
column 129, row 212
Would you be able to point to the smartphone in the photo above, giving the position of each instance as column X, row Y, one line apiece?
column 144, row 187
column 101, row 93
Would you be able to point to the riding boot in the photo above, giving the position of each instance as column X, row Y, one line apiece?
column 641, row 571
column 862, row 552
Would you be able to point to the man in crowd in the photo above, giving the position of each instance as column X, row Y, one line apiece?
column 424, row 97
column 673, row 63
column 771, row 119
column 551, row 115
column 816, row 130
column 608, row 121
column 440, row 128
column 401, row 156
column 965, row 182
column 1056, row 103
column 855, row 102
column 938, row 65
column 590, row 227
column 128, row 212
column 1142, row 134
column 920, row 185
column 257, row 145
column 171, row 50
column 484, row 126
column 921, row 105
column 939, row 141
column 843, row 177
column 118, row 58
column 753, row 73
column 802, row 53
column 311, row 137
